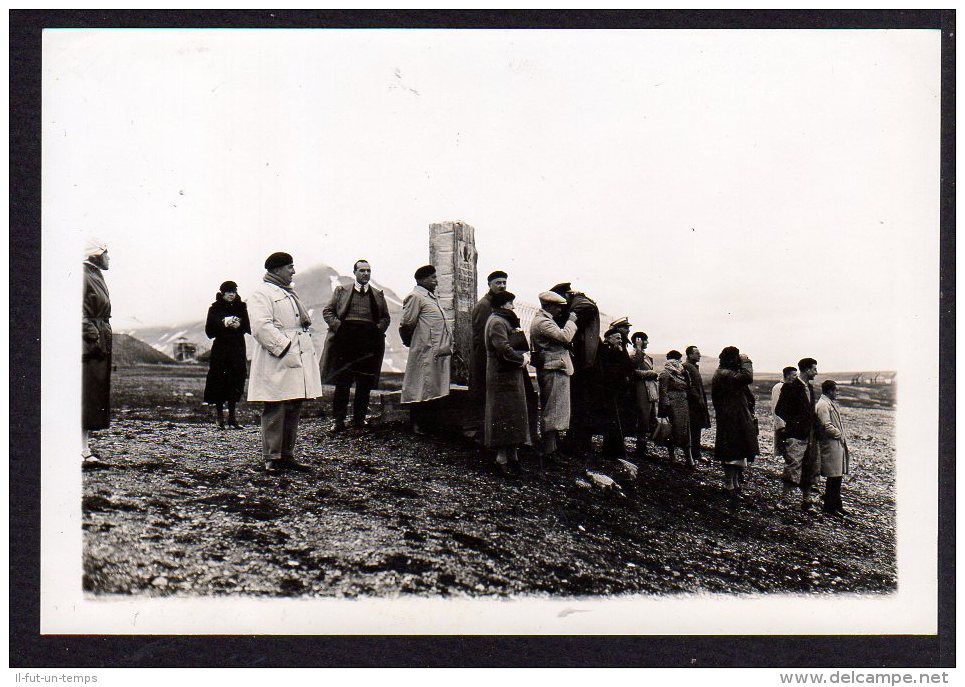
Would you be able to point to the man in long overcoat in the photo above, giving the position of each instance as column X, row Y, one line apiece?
column 97, row 341
column 614, row 393
column 585, row 345
column 498, row 281
column 833, row 446
column 427, row 333
column 554, row 365
column 284, row 365
column 696, row 401
column 796, row 407
column 357, row 317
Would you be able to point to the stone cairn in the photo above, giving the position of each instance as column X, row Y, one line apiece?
column 452, row 251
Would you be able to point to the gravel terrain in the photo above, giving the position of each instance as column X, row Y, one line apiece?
column 185, row 509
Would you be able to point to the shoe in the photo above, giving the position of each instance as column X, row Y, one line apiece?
column 293, row 465
column 503, row 470
column 271, row 467
column 842, row 511
column 806, row 507
column 220, row 424
column 418, row 431
column 234, row 424
column 360, row 426
column 337, row 428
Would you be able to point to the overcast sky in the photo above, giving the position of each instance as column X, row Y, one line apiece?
column 774, row 190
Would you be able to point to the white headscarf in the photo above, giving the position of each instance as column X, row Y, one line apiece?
column 93, row 247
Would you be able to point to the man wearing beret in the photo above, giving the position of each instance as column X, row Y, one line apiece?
column 357, row 317
column 498, row 282
column 427, row 333
column 284, row 366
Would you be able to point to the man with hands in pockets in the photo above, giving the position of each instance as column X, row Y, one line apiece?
column 284, row 365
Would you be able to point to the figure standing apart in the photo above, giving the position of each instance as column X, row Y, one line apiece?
column 796, row 407
column 284, row 365
column 98, row 346
column 498, row 281
column 227, row 323
column 674, row 382
column 833, row 445
column 426, row 331
column 696, row 401
column 357, row 317
column 735, row 445
column 645, row 389
column 554, row 365
column 789, row 374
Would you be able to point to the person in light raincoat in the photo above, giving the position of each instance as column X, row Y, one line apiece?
column 284, row 365
column 428, row 334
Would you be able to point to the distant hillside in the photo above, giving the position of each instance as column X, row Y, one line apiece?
column 314, row 287
column 129, row 350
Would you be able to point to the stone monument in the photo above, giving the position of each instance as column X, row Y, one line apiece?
column 452, row 251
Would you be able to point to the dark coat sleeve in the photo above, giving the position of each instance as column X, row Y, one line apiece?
column 214, row 325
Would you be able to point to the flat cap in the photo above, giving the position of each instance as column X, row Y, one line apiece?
column 562, row 288
column 551, row 297
column 498, row 274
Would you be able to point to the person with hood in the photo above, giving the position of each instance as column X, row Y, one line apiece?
column 736, row 444
column 98, row 345
column 227, row 323
column 427, row 333
column 284, row 365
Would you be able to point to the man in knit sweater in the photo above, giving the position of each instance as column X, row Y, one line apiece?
column 357, row 317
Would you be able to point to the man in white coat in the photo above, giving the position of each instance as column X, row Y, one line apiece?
column 284, row 365
column 554, row 366
column 425, row 330
column 833, row 445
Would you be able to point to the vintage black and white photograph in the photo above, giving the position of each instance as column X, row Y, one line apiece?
column 490, row 331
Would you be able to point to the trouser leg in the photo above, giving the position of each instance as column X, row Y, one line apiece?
column 694, row 442
column 550, row 441
column 231, row 411
column 340, row 401
column 360, row 407
column 272, row 425
column 832, row 494
column 292, row 412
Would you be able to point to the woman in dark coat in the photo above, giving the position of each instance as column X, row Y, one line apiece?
column 227, row 324
column 97, row 349
column 736, row 443
column 507, row 423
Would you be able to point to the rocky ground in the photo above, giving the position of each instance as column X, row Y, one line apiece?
column 186, row 509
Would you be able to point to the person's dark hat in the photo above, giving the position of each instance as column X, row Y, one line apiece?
column 639, row 335
column 424, row 271
column 502, row 298
column 730, row 354
column 562, row 288
column 498, row 274
column 228, row 286
column 612, row 330
column 674, row 355
column 276, row 260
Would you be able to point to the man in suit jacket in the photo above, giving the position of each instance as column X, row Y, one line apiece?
column 696, row 401
column 796, row 407
column 357, row 317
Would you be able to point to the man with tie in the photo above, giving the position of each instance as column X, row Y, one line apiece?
column 796, row 407
column 357, row 317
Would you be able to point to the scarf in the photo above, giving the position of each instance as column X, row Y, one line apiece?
column 302, row 313
column 675, row 369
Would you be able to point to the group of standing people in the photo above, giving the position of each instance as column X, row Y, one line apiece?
column 584, row 382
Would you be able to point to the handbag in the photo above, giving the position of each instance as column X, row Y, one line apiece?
column 661, row 430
